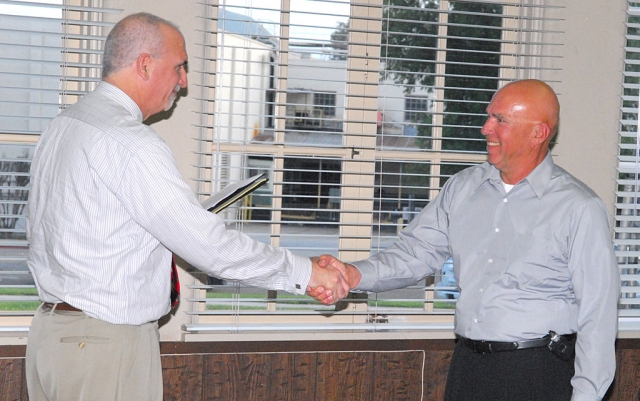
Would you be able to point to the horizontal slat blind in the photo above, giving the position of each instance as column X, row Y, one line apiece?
column 627, row 216
column 358, row 112
column 50, row 55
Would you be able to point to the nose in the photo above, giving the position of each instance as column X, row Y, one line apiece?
column 486, row 128
column 183, row 82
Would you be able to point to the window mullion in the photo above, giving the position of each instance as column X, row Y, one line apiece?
column 363, row 76
column 438, row 104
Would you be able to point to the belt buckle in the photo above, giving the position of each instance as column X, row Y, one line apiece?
column 482, row 347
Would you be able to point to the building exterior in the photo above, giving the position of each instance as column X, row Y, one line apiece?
column 315, row 100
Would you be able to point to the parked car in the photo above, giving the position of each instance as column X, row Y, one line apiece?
column 447, row 283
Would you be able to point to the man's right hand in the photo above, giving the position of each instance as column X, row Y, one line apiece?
column 350, row 275
column 329, row 280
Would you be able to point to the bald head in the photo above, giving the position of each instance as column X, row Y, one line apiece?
column 533, row 100
column 523, row 117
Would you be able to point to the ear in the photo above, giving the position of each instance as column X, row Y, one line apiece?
column 143, row 66
column 541, row 133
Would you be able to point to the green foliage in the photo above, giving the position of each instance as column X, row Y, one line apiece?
column 409, row 42
column 473, row 33
column 18, row 291
column 8, row 305
column 415, row 176
column 339, row 41
column 473, row 56
column 19, row 306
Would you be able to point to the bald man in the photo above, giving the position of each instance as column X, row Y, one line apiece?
column 532, row 252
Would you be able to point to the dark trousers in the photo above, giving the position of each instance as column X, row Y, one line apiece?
column 524, row 375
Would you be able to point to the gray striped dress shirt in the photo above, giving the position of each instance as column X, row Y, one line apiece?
column 108, row 204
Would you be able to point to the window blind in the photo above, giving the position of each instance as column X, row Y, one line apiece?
column 315, row 94
column 50, row 55
column 627, row 216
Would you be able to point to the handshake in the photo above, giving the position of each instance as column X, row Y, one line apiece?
column 331, row 280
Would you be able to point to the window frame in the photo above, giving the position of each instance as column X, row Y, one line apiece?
column 359, row 152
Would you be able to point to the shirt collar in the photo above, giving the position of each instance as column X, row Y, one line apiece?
column 537, row 179
column 117, row 95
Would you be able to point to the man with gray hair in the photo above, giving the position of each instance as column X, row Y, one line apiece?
column 107, row 208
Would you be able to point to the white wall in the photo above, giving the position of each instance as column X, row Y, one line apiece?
column 590, row 92
column 244, row 72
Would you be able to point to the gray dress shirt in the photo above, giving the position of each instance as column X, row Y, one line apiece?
column 107, row 206
column 535, row 259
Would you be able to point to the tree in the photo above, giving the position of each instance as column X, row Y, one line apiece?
column 473, row 60
column 339, row 41
column 410, row 40
column 411, row 34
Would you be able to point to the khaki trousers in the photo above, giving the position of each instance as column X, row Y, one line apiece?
column 71, row 356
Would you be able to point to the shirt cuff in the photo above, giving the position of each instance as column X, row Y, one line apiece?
column 577, row 396
column 369, row 276
column 301, row 274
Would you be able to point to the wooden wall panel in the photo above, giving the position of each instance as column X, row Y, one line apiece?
column 311, row 371
column 249, row 376
column 398, row 376
column 216, row 377
column 344, row 376
column 13, row 386
column 272, row 376
column 280, row 377
column 435, row 376
column 626, row 385
column 305, row 367
column 182, row 375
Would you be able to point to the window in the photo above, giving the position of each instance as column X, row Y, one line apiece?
column 414, row 108
column 325, row 103
column 51, row 55
column 627, row 213
column 344, row 181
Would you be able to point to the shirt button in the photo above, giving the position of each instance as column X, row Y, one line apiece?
column 490, row 260
column 481, row 289
column 497, row 230
column 505, row 200
column 475, row 320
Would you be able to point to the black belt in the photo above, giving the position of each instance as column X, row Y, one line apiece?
column 60, row 306
column 490, row 347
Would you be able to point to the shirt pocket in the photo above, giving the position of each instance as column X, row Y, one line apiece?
column 85, row 340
